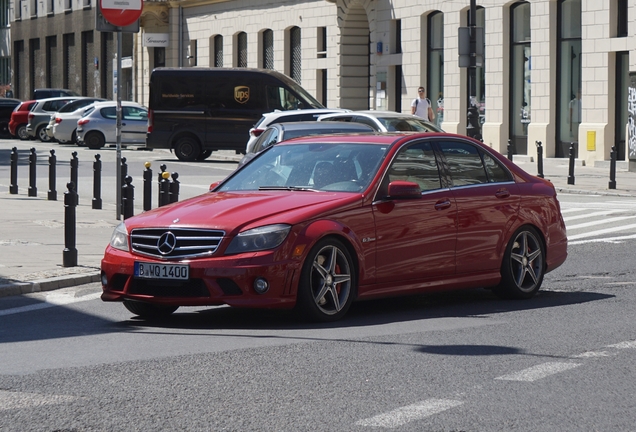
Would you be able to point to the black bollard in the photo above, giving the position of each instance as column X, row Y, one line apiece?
column 74, row 173
column 97, row 183
column 612, row 182
column 539, row 159
column 33, row 159
column 162, row 167
column 174, row 188
column 69, row 255
column 128, row 197
column 13, row 187
column 147, row 187
column 509, row 150
column 52, row 195
column 571, row 172
column 164, row 191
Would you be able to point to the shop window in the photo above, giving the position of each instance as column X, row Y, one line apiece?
column 520, row 98
column 435, row 63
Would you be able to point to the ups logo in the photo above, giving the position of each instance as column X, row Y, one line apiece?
column 241, row 94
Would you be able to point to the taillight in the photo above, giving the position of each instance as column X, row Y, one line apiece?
column 151, row 115
column 58, row 120
column 82, row 122
column 31, row 115
column 256, row 132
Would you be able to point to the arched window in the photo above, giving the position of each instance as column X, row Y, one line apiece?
column 569, row 76
column 295, row 54
column 520, row 106
column 241, row 49
column 435, row 63
column 268, row 49
column 218, row 51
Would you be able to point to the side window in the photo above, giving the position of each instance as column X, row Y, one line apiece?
column 367, row 122
column 267, row 139
column 496, row 173
column 109, row 113
column 464, row 163
column 340, row 119
column 291, row 118
column 282, row 99
column 416, row 163
column 134, row 113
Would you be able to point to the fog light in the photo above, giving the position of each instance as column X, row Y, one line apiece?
column 261, row 285
column 104, row 279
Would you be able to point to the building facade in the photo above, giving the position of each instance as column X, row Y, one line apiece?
column 555, row 72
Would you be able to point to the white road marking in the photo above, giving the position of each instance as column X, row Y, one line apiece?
column 602, row 240
column 592, row 354
column 51, row 300
column 587, row 215
column 601, row 232
column 574, row 209
column 406, row 414
column 599, row 222
column 539, row 371
column 17, row 400
column 623, row 345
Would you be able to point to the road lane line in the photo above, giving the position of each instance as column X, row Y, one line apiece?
column 598, row 222
column 417, row 411
column 601, row 232
column 623, row 345
column 603, row 240
column 592, row 354
column 587, row 215
column 51, row 300
column 539, row 371
column 17, row 400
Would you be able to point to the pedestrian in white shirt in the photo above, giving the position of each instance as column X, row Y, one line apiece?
column 421, row 106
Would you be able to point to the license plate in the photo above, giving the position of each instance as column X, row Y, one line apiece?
column 161, row 271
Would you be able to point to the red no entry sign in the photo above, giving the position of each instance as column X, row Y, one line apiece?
column 121, row 13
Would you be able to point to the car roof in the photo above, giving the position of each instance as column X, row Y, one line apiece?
column 278, row 113
column 377, row 138
column 312, row 125
column 113, row 103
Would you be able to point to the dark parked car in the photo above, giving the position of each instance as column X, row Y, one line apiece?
column 7, row 106
column 284, row 131
column 45, row 93
column 316, row 223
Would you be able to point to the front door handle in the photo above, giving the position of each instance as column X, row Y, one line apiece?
column 502, row 193
column 442, row 204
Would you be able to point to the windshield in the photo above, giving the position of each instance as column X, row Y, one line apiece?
column 407, row 124
column 325, row 167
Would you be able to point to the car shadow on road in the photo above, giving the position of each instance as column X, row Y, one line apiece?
column 473, row 303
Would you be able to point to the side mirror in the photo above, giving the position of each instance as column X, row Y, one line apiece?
column 400, row 189
column 214, row 185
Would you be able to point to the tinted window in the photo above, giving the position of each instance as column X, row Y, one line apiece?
column 367, row 121
column 109, row 113
column 496, row 172
column 464, row 163
column 267, row 139
column 416, row 163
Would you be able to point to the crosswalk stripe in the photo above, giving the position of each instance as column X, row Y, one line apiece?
column 601, row 232
column 599, row 222
column 602, row 240
column 406, row 414
column 588, row 215
column 539, row 371
column 573, row 210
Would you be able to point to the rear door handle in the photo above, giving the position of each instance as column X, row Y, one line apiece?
column 442, row 205
column 502, row 193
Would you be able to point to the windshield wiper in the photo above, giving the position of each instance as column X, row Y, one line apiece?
column 289, row 188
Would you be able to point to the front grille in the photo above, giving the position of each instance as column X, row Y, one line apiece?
column 175, row 243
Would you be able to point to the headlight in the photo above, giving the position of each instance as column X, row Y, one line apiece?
column 257, row 239
column 119, row 239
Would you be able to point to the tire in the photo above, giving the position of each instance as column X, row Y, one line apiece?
column 523, row 265
column 187, row 149
column 21, row 132
column 204, row 155
column 74, row 137
column 327, row 283
column 40, row 134
column 94, row 140
column 4, row 129
column 149, row 311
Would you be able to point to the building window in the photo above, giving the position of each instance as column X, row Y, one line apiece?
column 87, row 51
column 218, row 51
column 295, row 55
column 321, row 81
column 480, row 72
column 622, row 103
column 159, row 57
column 34, row 8
column 621, row 14
column 34, row 67
column 520, row 76
column 321, row 38
column 569, row 76
column 67, row 52
column 17, row 8
column 268, row 49
column 192, row 57
column 435, row 73
column 241, row 49
column 396, row 27
column 51, row 61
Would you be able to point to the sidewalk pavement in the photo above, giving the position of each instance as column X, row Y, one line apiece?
column 32, row 235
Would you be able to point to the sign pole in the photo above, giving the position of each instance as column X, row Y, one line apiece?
column 118, row 125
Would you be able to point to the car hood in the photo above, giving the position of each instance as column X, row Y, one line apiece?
column 234, row 211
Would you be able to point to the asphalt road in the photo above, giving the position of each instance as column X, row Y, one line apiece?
column 457, row 361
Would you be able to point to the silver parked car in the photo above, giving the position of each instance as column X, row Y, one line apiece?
column 384, row 121
column 40, row 116
column 63, row 123
column 98, row 125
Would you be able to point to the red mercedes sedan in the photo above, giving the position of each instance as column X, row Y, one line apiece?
column 317, row 223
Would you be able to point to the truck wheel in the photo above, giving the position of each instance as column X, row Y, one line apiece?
column 204, row 155
column 187, row 149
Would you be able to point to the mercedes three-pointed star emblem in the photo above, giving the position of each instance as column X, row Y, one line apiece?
column 166, row 243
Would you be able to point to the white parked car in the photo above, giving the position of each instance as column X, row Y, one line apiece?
column 63, row 124
column 285, row 117
column 98, row 125
column 385, row 121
